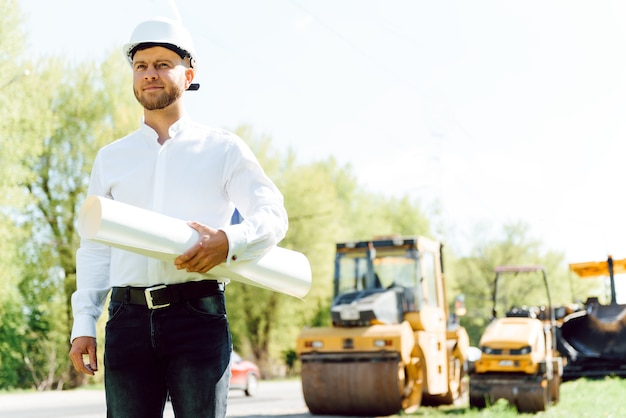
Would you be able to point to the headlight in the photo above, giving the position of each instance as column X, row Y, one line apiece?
column 523, row 350
column 314, row 344
column 489, row 350
column 382, row 343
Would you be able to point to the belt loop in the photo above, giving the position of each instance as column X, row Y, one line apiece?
column 127, row 295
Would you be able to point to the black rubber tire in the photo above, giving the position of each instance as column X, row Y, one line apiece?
column 536, row 401
column 252, row 384
column 555, row 389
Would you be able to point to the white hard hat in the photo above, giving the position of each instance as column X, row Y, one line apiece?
column 161, row 31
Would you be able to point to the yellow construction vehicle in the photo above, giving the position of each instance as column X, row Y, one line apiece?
column 593, row 337
column 519, row 361
column 391, row 345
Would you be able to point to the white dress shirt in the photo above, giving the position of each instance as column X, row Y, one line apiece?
column 200, row 174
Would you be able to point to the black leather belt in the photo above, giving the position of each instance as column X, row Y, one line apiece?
column 162, row 296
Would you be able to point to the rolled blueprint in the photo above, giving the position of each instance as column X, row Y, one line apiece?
column 163, row 237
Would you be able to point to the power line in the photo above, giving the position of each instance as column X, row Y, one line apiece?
column 355, row 47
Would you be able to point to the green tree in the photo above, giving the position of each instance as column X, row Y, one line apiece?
column 12, row 325
column 70, row 114
column 474, row 276
column 13, row 92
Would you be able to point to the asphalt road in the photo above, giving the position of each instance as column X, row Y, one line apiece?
column 274, row 398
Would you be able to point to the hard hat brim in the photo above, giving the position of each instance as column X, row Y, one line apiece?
column 145, row 45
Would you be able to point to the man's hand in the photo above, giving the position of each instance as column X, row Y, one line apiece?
column 210, row 250
column 84, row 346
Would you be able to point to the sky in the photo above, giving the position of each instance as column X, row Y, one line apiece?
column 495, row 111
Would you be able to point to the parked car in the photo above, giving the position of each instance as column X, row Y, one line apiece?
column 245, row 375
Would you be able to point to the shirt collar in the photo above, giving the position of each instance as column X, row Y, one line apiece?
column 177, row 127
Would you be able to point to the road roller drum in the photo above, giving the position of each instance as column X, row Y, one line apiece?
column 362, row 385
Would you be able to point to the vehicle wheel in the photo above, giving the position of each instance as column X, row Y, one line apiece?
column 555, row 387
column 413, row 390
column 477, row 399
column 456, row 381
column 457, row 386
column 252, row 384
column 532, row 402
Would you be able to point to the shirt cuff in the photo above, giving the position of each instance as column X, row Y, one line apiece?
column 84, row 326
column 236, row 242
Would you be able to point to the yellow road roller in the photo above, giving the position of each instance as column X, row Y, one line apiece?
column 391, row 345
column 519, row 361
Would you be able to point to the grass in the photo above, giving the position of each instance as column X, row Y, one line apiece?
column 582, row 398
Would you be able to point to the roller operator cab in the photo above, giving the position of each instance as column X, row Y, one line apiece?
column 391, row 346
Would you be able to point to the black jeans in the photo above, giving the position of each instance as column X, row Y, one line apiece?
column 183, row 350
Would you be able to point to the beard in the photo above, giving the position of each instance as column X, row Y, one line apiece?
column 161, row 101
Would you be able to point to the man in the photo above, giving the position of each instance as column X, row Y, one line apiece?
column 167, row 330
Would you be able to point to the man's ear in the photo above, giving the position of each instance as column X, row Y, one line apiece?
column 189, row 75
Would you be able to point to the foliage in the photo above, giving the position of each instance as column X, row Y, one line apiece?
column 76, row 112
column 12, row 91
column 58, row 117
column 12, row 325
column 474, row 277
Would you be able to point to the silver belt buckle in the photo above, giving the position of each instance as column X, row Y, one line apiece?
column 148, row 293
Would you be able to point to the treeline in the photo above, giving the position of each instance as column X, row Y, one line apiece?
column 55, row 116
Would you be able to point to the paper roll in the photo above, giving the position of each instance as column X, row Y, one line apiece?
column 133, row 229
